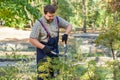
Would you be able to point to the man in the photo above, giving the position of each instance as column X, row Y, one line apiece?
column 44, row 34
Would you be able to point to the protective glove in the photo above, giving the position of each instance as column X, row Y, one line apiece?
column 64, row 38
column 46, row 49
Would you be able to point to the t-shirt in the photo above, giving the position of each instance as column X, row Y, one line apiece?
column 38, row 32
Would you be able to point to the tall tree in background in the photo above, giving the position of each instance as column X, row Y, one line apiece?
column 84, row 12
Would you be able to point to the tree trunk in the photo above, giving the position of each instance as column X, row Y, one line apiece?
column 84, row 11
column 114, row 69
column 112, row 50
column 114, row 73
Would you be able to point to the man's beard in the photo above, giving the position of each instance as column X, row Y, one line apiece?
column 50, row 20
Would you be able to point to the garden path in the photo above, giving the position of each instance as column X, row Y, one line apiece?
column 11, row 37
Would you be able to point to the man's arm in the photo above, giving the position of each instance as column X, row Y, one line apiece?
column 36, row 43
column 65, row 36
column 69, row 29
column 65, row 24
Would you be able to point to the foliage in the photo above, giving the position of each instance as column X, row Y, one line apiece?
column 65, row 69
column 64, row 10
column 21, row 13
column 110, row 36
column 93, row 72
column 68, row 70
column 44, row 67
column 18, row 71
column 113, row 5
column 95, row 13
column 13, row 52
column 7, row 72
column 114, row 66
column 77, row 16
column 17, row 13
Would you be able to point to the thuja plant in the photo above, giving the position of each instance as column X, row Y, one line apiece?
column 114, row 69
column 8, row 73
column 63, row 69
column 67, row 70
column 110, row 37
column 43, row 68
column 93, row 71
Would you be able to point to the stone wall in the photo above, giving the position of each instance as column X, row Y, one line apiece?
column 85, row 43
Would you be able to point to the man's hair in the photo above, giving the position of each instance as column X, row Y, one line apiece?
column 49, row 8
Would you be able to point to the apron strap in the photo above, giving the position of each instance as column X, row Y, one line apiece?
column 48, row 33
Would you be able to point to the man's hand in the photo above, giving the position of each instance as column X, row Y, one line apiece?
column 64, row 38
column 46, row 49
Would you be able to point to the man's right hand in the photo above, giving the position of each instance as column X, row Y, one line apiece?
column 46, row 49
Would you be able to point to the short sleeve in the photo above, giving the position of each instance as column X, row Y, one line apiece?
column 35, row 30
column 63, row 23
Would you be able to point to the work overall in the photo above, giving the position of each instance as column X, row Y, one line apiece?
column 53, row 44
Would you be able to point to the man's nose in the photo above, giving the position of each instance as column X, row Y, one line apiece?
column 51, row 17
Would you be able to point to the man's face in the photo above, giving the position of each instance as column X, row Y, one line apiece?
column 49, row 17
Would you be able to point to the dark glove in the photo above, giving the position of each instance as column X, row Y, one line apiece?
column 64, row 38
column 46, row 49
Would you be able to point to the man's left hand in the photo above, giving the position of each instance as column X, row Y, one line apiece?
column 64, row 38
